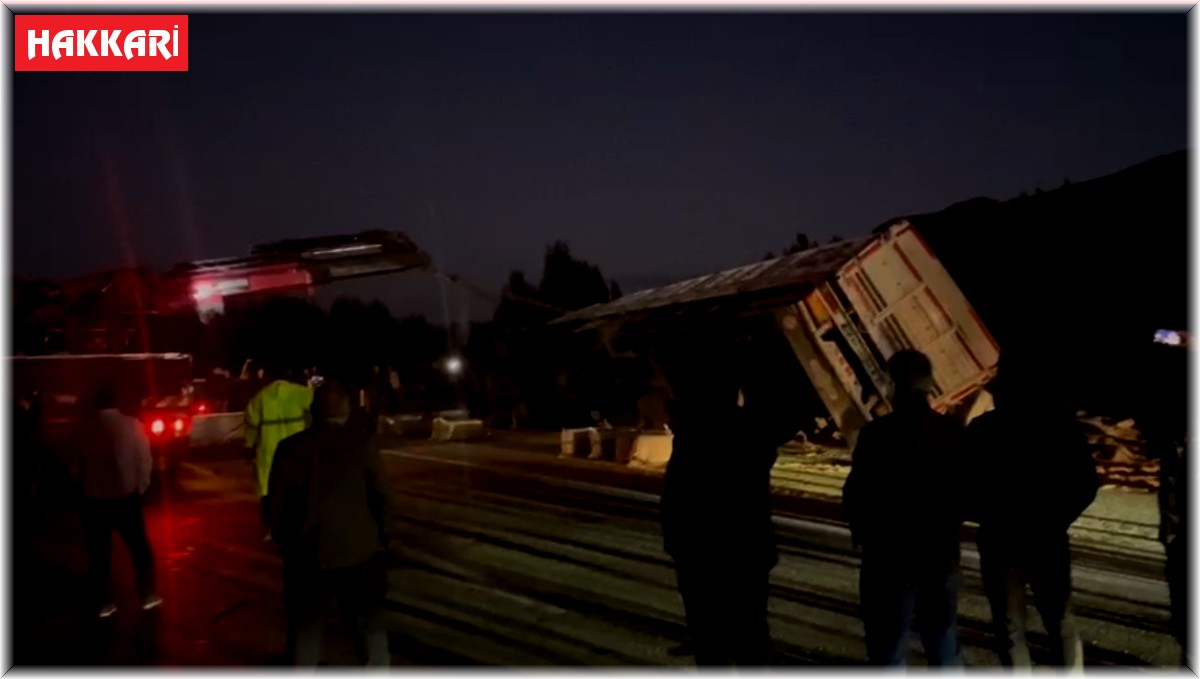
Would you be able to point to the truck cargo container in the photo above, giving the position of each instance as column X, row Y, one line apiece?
column 845, row 309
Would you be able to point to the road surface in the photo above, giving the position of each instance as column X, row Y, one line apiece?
column 504, row 557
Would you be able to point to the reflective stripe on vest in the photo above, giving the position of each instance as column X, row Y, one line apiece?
column 292, row 420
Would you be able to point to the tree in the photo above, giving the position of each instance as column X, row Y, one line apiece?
column 802, row 243
column 182, row 330
column 284, row 332
column 571, row 283
column 531, row 372
column 37, row 309
column 519, row 303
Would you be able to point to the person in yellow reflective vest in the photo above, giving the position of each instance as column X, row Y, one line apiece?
column 276, row 412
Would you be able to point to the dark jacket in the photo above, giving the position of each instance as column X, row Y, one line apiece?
column 716, row 501
column 1173, row 494
column 1032, row 472
column 29, row 450
column 1163, row 421
column 902, row 497
column 329, row 498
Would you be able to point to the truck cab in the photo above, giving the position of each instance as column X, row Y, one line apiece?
column 168, row 425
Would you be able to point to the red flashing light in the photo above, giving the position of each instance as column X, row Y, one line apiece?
column 158, row 427
column 179, row 426
column 201, row 408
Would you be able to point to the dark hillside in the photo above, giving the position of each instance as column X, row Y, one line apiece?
column 1083, row 274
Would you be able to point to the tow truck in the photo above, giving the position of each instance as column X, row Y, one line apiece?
column 103, row 319
column 290, row 265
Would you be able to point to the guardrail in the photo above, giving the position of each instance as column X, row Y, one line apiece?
column 216, row 428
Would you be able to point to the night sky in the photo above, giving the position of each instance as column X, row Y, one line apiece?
column 657, row 146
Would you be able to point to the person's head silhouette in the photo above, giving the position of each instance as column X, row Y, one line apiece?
column 912, row 378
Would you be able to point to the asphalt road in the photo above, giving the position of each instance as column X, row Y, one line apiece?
column 503, row 557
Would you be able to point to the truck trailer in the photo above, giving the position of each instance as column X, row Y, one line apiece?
column 845, row 309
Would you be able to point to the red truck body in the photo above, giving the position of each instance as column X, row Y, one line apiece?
column 153, row 387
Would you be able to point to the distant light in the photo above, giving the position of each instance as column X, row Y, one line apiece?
column 158, row 427
column 1173, row 338
column 214, row 288
column 454, row 365
column 179, row 426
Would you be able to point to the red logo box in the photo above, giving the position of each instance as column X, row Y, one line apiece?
column 101, row 42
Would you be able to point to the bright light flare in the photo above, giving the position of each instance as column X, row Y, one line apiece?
column 158, row 427
column 1171, row 338
column 454, row 365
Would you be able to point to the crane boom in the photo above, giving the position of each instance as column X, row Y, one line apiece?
column 109, row 307
column 292, row 265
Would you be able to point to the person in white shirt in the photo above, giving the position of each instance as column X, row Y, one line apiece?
column 112, row 466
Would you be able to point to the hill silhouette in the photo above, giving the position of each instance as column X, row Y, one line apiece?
column 1080, row 277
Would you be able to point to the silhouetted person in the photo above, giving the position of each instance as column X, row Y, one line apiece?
column 378, row 390
column 29, row 454
column 27, row 445
column 1033, row 476
column 716, row 502
column 1163, row 422
column 111, row 461
column 328, row 508
column 903, row 504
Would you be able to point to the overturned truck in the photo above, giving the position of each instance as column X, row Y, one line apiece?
column 844, row 308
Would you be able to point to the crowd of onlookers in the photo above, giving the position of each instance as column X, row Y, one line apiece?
column 1023, row 472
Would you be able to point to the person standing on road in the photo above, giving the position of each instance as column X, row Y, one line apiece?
column 111, row 463
column 1164, row 424
column 1173, row 532
column 29, row 453
column 902, row 502
column 1032, row 476
column 328, row 508
column 276, row 412
column 729, row 409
